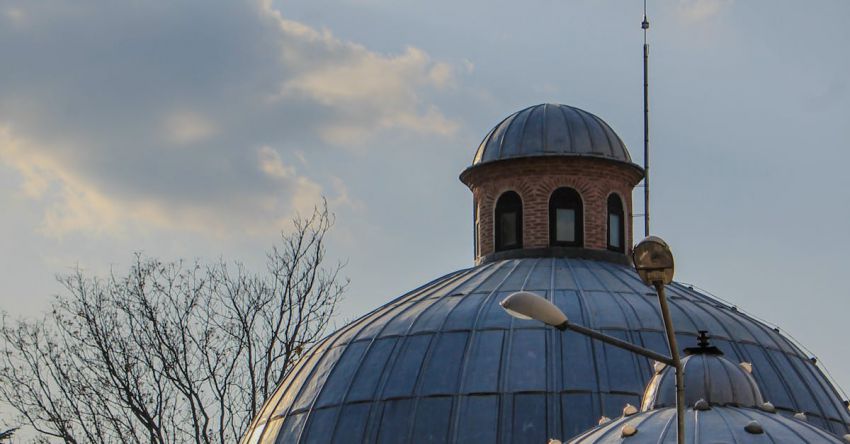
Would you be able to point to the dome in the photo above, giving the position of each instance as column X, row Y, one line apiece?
column 715, row 425
column 708, row 376
column 551, row 130
column 444, row 362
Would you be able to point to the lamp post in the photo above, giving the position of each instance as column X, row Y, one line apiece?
column 654, row 263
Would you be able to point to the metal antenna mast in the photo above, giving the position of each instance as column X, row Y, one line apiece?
column 645, row 26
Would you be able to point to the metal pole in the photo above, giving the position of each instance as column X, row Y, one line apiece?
column 645, row 132
column 677, row 362
column 616, row 342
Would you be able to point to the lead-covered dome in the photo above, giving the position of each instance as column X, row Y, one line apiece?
column 722, row 404
column 709, row 377
column 444, row 363
column 551, row 130
column 715, row 425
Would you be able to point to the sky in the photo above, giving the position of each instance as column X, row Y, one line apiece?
column 197, row 129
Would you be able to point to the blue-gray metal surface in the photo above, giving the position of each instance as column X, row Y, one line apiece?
column 444, row 363
column 717, row 425
column 710, row 377
column 551, row 130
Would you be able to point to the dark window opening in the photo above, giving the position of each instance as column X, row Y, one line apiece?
column 474, row 228
column 616, row 224
column 508, row 221
column 566, row 218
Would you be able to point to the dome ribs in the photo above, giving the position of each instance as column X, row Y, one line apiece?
column 571, row 387
column 550, row 129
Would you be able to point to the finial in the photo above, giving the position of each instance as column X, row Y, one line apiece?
column 702, row 339
column 703, row 347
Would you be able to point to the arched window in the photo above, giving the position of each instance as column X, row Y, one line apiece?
column 475, row 228
column 616, row 224
column 565, row 218
column 508, row 221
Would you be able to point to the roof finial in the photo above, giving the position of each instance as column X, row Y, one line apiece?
column 703, row 347
column 702, row 339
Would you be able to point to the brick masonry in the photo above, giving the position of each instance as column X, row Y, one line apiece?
column 534, row 179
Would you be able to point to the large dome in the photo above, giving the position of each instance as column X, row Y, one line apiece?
column 444, row 363
column 551, row 130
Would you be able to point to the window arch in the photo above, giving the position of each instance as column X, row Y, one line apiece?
column 508, row 221
column 566, row 218
column 475, row 223
column 616, row 224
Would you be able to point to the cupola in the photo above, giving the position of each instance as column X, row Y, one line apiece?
column 552, row 180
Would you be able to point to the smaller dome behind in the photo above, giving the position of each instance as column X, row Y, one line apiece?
column 551, row 130
column 708, row 376
column 715, row 425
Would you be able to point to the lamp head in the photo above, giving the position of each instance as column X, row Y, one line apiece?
column 527, row 305
column 653, row 261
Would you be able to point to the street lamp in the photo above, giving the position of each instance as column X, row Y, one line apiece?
column 654, row 263
column 527, row 305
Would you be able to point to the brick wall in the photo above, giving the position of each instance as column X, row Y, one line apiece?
column 534, row 179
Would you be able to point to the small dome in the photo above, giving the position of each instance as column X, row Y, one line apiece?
column 551, row 130
column 719, row 424
column 708, row 376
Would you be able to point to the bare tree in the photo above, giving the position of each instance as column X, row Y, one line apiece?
column 6, row 435
column 170, row 352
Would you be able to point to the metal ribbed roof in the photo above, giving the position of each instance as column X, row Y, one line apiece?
column 551, row 130
column 717, row 425
column 710, row 377
column 444, row 363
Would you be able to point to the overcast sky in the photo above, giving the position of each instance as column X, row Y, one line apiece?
column 196, row 129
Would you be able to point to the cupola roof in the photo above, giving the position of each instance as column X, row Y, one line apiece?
column 551, row 130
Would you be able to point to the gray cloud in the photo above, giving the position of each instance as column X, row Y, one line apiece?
column 167, row 114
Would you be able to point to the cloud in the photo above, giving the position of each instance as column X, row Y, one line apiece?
column 171, row 116
column 272, row 165
column 15, row 15
column 70, row 203
column 368, row 91
column 74, row 204
column 700, row 10
column 185, row 127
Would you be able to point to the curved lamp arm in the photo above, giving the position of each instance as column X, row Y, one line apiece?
column 527, row 305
